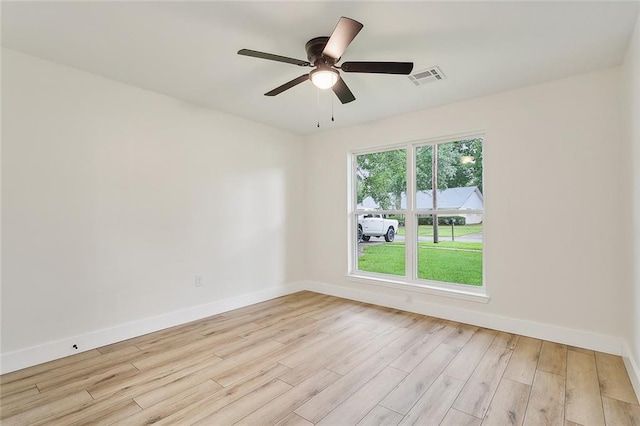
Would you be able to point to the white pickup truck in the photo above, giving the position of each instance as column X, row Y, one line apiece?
column 375, row 225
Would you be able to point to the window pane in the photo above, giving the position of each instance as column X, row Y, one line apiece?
column 381, row 244
column 459, row 173
column 381, row 180
column 451, row 251
column 424, row 177
column 459, row 166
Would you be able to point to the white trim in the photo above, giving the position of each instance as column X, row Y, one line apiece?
column 50, row 351
column 449, row 137
column 632, row 368
column 549, row 332
column 422, row 287
column 411, row 280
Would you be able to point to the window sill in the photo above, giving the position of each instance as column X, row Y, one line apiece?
column 473, row 295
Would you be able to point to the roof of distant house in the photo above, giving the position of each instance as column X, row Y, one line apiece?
column 450, row 198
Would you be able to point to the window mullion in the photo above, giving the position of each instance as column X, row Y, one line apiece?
column 410, row 225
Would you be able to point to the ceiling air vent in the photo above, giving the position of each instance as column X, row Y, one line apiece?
column 426, row 76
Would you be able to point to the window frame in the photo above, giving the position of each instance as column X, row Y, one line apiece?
column 410, row 280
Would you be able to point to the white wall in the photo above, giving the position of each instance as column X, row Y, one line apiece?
column 631, row 70
column 114, row 198
column 557, row 209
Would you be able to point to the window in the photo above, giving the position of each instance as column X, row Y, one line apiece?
column 417, row 212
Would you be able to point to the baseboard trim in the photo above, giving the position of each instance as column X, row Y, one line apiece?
column 50, row 351
column 553, row 333
column 632, row 368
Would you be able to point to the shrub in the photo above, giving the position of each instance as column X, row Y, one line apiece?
column 442, row 220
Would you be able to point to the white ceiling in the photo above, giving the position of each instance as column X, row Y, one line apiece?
column 187, row 50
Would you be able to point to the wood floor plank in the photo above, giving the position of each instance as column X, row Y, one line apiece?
column 354, row 408
column 285, row 404
column 230, row 330
column 232, row 375
column 162, row 335
column 225, row 325
column 231, row 413
column 470, row 355
column 620, row 413
column 168, row 406
column 19, row 398
column 327, row 400
column 523, row 363
column 509, row 404
column 358, row 355
column 302, row 372
column 461, row 335
column 581, row 350
column 434, row 404
column 458, row 418
column 89, row 378
column 506, row 340
column 613, row 378
column 424, row 346
column 131, row 385
column 380, row 416
column 77, row 369
column 41, row 398
column 208, row 405
column 553, row 358
column 160, row 344
column 583, row 400
column 409, row 391
column 182, row 383
column 279, row 329
column 51, row 409
column 410, row 319
column 294, row 420
column 476, row 395
column 99, row 412
column 546, row 403
column 313, row 361
column 343, row 338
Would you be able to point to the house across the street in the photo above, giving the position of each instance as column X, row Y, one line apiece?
column 464, row 198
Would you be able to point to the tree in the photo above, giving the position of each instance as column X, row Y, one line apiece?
column 383, row 177
column 452, row 173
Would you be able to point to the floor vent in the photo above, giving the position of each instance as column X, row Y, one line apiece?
column 426, row 76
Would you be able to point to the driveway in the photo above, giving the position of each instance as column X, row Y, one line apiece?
column 471, row 238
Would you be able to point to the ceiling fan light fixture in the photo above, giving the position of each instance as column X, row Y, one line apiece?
column 324, row 78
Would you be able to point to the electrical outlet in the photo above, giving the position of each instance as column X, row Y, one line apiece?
column 199, row 280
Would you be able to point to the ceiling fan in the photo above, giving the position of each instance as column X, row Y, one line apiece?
column 323, row 53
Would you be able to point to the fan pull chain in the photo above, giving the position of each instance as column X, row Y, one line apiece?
column 332, row 109
column 318, row 107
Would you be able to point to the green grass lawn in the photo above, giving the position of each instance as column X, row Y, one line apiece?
column 445, row 230
column 446, row 261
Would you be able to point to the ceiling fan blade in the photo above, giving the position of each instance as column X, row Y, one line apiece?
column 342, row 91
column 288, row 85
column 342, row 36
column 272, row 57
column 378, row 67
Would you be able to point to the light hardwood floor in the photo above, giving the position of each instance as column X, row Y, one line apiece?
column 313, row 359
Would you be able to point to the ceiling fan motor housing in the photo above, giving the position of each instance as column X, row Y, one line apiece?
column 314, row 48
